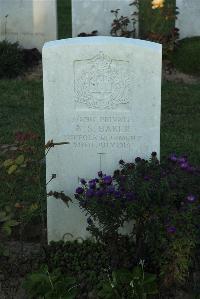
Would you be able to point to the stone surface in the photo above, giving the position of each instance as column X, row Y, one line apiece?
column 103, row 95
column 189, row 18
column 30, row 22
column 89, row 15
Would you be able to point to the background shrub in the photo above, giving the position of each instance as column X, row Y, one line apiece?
column 186, row 58
column 11, row 60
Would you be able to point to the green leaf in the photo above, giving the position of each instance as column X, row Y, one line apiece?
column 12, row 223
column 2, row 216
column 19, row 160
column 12, row 169
column 6, row 229
column 8, row 163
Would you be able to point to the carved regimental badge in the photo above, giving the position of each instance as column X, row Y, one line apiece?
column 101, row 82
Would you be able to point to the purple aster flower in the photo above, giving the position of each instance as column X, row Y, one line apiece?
column 89, row 221
column 100, row 174
column 138, row 159
column 107, row 180
column 153, row 154
column 191, row 198
column 191, row 169
column 122, row 178
column 147, row 178
column 83, row 181
column 121, row 162
column 79, row 190
column 173, row 158
column 92, row 184
column 184, row 165
column 182, row 159
column 171, row 229
column 100, row 193
column 117, row 194
column 130, row 196
column 110, row 189
column 89, row 193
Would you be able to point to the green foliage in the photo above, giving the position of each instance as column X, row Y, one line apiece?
column 186, row 58
column 7, row 221
column 88, row 261
column 135, row 284
column 43, row 284
column 11, row 60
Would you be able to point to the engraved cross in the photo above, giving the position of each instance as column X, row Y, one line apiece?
column 101, row 160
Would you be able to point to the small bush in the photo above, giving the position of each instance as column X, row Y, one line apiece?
column 11, row 60
column 160, row 200
column 186, row 58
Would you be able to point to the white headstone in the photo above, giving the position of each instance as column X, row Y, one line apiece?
column 188, row 20
column 89, row 15
column 103, row 95
column 30, row 22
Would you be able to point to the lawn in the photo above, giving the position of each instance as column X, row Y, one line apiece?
column 22, row 110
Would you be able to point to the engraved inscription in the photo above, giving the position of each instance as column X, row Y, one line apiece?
column 102, row 132
column 101, row 82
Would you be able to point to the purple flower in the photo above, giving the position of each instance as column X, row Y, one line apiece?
column 100, row 193
column 107, row 180
column 182, row 159
column 130, row 196
column 191, row 198
column 92, row 184
column 171, row 229
column 122, row 178
column 173, row 158
column 79, row 190
column 191, row 169
column 89, row 221
column 117, row 194
column 184, row 165
column 89, row 193
column 100, row 174
column 83, row 181
column 110, row 189
column 138, row 159
column 146, row 178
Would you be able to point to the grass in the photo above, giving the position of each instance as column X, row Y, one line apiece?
column 180, row 120
column 22, row 109
column 21, row 105
column 187, row 56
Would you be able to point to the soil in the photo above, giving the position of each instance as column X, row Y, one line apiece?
column 15, row 266
column 173, row 75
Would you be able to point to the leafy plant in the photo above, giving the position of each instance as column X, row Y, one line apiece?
column 121, row 25
column 11, row 60
column 135, row 284
column 160, row 200
column 156, row 23
column 43, row 284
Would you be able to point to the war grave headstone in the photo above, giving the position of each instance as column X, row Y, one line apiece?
column 189, row 18
column 29, row 22
column 90, row 15
column 103, row 95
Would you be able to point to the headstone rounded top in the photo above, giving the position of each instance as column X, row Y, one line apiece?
column 104, row 40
